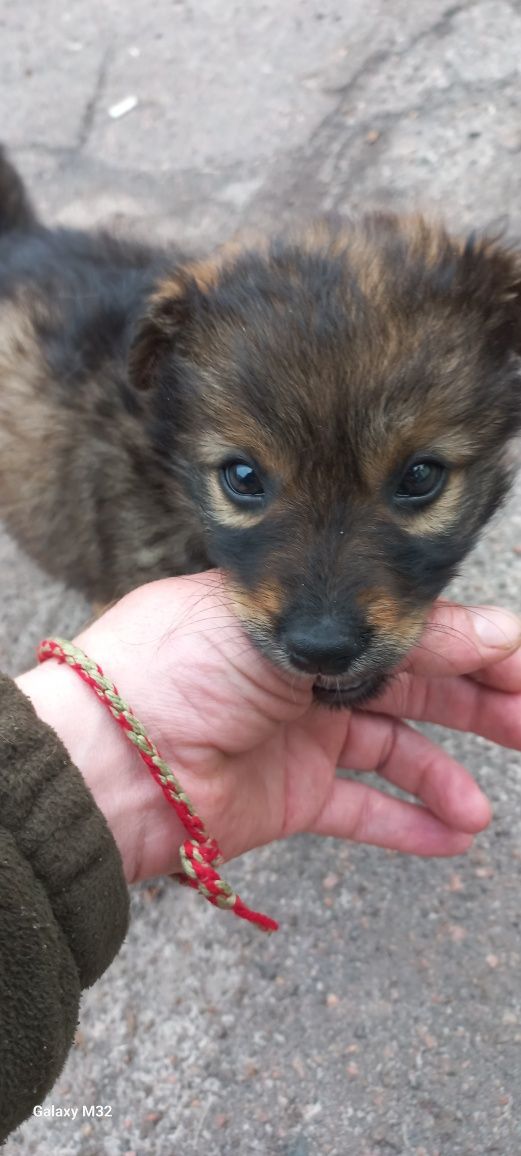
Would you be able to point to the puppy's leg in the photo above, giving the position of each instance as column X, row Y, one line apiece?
column 16, row 211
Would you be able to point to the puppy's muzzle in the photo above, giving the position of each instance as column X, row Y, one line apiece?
column 336, row 652
column 324, row 646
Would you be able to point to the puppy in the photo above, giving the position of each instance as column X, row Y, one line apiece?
column 324, row 416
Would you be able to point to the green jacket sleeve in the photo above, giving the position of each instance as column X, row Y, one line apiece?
column 63, row 904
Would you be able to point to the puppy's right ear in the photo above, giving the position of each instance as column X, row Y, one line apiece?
column 159, row 332
column 490, row 277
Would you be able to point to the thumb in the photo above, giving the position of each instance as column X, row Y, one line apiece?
column 464, row 639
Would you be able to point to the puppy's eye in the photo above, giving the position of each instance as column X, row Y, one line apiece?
column 421, row 483
column 241, row 482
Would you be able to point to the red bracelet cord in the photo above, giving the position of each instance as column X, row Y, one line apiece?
column 199, row 853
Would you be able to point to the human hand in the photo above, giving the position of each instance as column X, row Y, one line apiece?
column 255, row 755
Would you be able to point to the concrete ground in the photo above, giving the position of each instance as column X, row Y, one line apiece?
column 385, row 1017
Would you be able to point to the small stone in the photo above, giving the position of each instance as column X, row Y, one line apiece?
column 122, row 107
column 221, row 1120
column 455, row 882
column 456, row 933
column 332, row 1000
column 427, row 1039
column 309, row 1111
column 492, row 961
column 131, row 1021
column 330, row 881
column 353, row 1070
column 372, row 136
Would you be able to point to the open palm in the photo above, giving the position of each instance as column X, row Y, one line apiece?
column 259, row 759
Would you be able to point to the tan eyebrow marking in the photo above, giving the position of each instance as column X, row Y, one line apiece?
column 443, row 512
column 226, row 513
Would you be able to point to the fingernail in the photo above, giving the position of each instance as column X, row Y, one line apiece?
column 497, row 628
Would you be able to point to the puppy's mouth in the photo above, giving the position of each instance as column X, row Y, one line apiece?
column 337, row 693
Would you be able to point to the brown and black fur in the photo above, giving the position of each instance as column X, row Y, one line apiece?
column 130, row 376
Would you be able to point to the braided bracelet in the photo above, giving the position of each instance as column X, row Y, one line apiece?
column 199, row 853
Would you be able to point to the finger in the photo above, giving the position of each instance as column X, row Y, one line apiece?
column 464, row 639
column 358, row 812
column 413, row 763
column 503, row 675
column 464, row 704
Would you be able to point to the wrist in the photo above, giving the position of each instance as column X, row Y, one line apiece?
column 120, row 784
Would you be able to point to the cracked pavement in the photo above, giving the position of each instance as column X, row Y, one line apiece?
column 385, row 1016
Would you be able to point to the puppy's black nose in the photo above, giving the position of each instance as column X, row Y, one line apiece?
column 324, row 647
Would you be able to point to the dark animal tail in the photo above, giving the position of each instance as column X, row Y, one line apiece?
column 16, row 211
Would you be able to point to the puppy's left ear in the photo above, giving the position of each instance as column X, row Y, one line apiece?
column 163, row 329
column 492, row 280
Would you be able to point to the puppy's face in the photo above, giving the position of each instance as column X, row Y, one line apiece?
column 338, row 410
